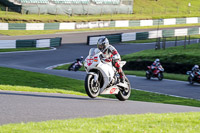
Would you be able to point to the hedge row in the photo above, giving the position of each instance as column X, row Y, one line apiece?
column 169, row 67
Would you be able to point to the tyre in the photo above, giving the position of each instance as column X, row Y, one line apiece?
column 70, row 67
column 91, row 89
column 160, row 76
column 190, row 80
column 124, row 93
column 148, row 76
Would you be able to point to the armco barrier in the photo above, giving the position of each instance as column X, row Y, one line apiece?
column 25, row 43
column 123, row 37
column 38, row 43
column 54, row 42
column 97, row 24
column 113, row 38
column 7, row 44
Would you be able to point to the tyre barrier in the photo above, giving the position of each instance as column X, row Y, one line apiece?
column 98, row 24
column 123, row 37
column 37, row 43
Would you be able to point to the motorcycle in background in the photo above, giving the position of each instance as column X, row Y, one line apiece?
column 75, row 66
column 102, row 77
column 193, row 77
column 157, row 72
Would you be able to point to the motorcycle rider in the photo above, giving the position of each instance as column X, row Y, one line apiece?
column 195, row 69
column 110, row 54
column 155, row 65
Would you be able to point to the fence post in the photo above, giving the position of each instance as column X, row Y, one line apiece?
column 158, row 43
column 6, row 10
column 38, row 11
column 164, row 42
column 56, row 10
column 199, row 40
column 176, row 42
column 185, row 42
column 189, row 40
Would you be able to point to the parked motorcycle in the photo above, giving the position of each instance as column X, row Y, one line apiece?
column 193, row 77
column 102, row 77
column 157, row 72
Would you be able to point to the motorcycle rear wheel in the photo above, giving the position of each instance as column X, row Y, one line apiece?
column 70, row 67
column 91, row 90
column 124, row 93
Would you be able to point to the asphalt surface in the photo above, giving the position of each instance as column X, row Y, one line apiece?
column 23, row 107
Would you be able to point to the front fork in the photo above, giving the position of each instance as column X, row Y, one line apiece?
column 96, row 76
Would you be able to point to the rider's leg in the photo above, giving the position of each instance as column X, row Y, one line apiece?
column 120, row 71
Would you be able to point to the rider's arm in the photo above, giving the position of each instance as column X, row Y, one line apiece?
column 115, row 54
column 79, row 63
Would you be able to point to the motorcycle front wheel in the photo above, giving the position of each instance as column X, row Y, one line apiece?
column 124, row 93
column 92, row 89
column 160, row 76
column 190, row 80
column 148, row 76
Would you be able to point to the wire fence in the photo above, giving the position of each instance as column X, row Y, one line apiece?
column 176, row 41
column 78, row 7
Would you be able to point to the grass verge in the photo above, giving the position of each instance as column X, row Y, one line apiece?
column 22, row 49
column 19, row 80
column 145, row 9
column 140, row 123
column 190, row 55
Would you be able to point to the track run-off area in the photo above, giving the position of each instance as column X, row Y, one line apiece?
column 24, row 106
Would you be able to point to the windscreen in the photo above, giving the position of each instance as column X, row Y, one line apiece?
column 93, row 51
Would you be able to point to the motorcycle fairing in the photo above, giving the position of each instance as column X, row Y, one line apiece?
column 111, row 90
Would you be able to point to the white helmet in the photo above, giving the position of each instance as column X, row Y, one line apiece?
column 102, row 43
column 196, row 66
column 157, row 60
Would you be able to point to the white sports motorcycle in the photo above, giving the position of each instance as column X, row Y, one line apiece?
column 102, row 77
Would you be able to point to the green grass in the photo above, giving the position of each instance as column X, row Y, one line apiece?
column 140, row 123
column 167, row 39
column 19, row 80
column 66, row 66
column 190, row 55
column 22, row 49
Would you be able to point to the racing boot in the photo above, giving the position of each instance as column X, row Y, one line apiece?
column 121, row 74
